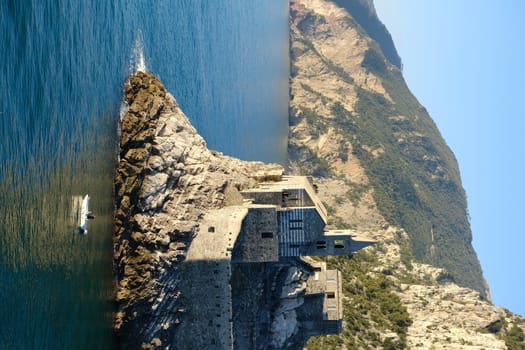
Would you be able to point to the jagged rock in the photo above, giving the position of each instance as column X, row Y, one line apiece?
column 293, row 285
column 166, row 182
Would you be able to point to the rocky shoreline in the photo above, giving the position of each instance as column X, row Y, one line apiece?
column 165, row 182
column 169, row 186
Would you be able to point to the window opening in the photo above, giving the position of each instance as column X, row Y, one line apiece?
column 339, row 244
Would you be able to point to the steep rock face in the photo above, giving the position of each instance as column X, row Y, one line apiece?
column 383, row 168
column 350, row 109
column 363, row 11
column 166, row 181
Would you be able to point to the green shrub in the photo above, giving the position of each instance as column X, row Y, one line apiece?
column 515, row 339
column 371, row 306
column 495, row 327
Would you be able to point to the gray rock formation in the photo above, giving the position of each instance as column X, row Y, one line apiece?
column 178, row 213
column 166, row 181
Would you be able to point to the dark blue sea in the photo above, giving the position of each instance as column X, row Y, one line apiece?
column 62, row 69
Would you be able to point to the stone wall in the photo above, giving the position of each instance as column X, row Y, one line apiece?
column 258, row 240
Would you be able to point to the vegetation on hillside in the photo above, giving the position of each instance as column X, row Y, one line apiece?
column 373, row 313
column 513, row 335
column 410, row 172
column 414, row 174
column 515, row 339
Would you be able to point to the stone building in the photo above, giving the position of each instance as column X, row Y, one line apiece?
column 323, row 295
column 301, row 218
column 286, row 221
column 277, row 227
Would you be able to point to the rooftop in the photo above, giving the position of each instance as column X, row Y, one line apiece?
column 307, row 196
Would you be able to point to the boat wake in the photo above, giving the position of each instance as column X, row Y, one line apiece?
column 137, row 60
column 137, row 63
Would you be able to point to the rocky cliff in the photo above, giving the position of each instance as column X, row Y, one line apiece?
column 383, row 167
column 344, row 90
column 166, row 181
column 179, row 211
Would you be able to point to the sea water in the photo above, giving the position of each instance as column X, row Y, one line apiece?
column 63, row 66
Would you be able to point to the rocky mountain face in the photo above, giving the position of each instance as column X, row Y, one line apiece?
column 344, row 90
column 383, row 167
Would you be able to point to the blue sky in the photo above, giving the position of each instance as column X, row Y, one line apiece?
column 464, row 61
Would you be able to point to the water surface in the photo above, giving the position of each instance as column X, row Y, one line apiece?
column 63, row 67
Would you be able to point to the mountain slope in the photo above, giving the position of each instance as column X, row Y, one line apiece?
column 383, row 167
column 343, row 89
column 363, row 11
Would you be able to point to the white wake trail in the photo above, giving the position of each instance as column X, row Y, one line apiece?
column 138, row 61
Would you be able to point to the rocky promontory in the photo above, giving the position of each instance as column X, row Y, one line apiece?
column 200, row 248
column 166, row 181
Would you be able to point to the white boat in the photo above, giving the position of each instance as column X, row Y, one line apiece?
column 85, row 214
